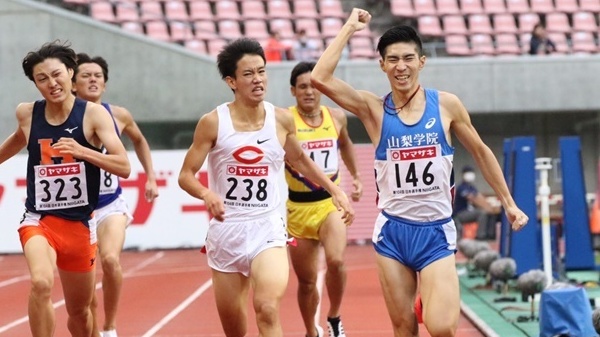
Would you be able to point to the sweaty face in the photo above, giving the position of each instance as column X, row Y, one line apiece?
column 90, row 82
column 402, row 65
column 53, row 80
column 308, row 97
column 250, row 82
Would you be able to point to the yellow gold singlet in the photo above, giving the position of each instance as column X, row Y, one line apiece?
column 308, row 203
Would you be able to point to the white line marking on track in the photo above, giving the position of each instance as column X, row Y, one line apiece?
column 14, row 280
column 178, row 309
column 60, row 303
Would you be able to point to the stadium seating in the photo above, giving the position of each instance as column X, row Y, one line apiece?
column 447, row 7
column 480, row 24
column 204, row 25
column 584, row 22
column 458, row 45
column 583, row 42
column 507, row 44
column 504, row 23
column 482, row 44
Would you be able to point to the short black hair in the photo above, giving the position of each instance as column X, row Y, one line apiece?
column 56, row 49
column 228, row 58
column 402, row 33
column 99, row 60
column 299, row 69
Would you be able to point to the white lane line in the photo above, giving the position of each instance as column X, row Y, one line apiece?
column 13, row 280
column 60, row 303
column 178, row 309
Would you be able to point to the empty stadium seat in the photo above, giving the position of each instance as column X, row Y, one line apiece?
column 197, row 46
column 583, row 42
column 200, row 10
column 175, row 11
column 305, row 9
column 561, row 42
column 447, row 7
column 527, row 21
column 331, row 8
column 279, row 9
column 566, row 6
column 494, row 6
column 429, row 25
column 507, row 44
column 133, row 27
column 205, row 30
column 479, row 24
column 361, row 47
column 589, row 6
column 226, row 10
column 517, row 6
column 482, row 44
column 229, row 29
column 102, row 11
column 524, row 40
column 180, row 31
column 285, row 29
column 471, row 6
column 504, row 23
column 457, row 45
column 126, row 11
column 402, row 8
column 454, row 24
column 256, row 29
column 542, row 6
column 215, row 46
column 151, row 11
column 584, row 22
column 253, row 9
column 424, row 7
column 311, row 26
column 557, row 22
column 330, row 27
column 158, row 30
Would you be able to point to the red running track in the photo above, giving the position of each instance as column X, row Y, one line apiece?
column 169, row 294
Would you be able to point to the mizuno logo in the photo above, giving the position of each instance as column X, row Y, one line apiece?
column 326, row 128
column 71, row 130
column 258, row 141
column 430, row 123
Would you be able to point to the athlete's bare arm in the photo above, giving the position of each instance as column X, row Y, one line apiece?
column 347, row 151
column 301, row 162
column 129, row 127
column 465, row 132
column 205, row 137
column 17, row 140
column 365, row 105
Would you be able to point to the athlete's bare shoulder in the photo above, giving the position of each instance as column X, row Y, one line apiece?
column 284, row 118
column 24, row 111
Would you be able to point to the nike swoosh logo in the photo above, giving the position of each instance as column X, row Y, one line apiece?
column 258, row 141
column 71, row 130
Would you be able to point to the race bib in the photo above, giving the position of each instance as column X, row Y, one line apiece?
column 60, row 186
column 109, row 183
column 248, row 186
column 324, row 153
column 416, row 170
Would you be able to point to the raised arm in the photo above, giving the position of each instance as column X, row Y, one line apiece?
column 483, row 156
column 301, row 162
column 142, row 149
column 347, row 152
column 205, row 136
column 322, row 76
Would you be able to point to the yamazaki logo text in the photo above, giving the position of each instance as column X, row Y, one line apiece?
column 248, row 155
